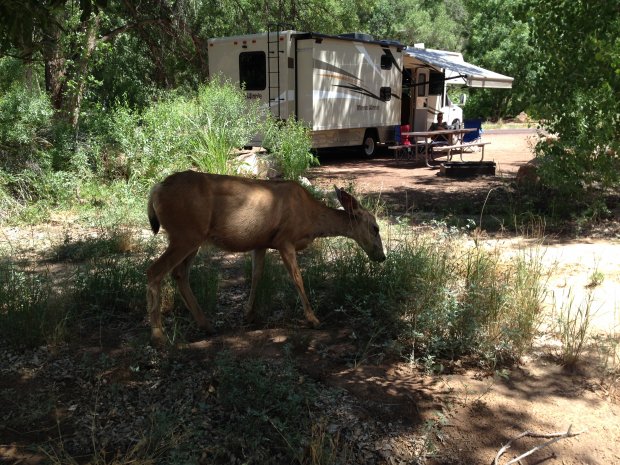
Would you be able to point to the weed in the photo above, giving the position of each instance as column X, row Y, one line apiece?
column 433, row 430
column 325, row 448
column 28, row 316
column 108, row 291
column 595, row 279
column 607, row 346
column 267, row 405
column 290, row 144
column 160, row 440
column 573, row 327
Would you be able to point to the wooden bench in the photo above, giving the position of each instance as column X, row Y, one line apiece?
column 460, row 148
column 405, row 152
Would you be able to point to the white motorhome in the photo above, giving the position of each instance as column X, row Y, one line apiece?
column 347, row 88
column 351, row 89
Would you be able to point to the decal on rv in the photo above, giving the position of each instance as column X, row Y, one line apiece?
column 319, row 64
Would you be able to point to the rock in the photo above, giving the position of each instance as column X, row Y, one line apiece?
column 257, row 163
column 527, row 175
column 522, row 117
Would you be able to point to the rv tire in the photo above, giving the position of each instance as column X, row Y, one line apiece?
column 369, row 147
column 456, row 124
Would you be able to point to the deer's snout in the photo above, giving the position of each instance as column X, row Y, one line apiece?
column 376, row 252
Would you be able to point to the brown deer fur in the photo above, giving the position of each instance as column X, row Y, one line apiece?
column 240, row 215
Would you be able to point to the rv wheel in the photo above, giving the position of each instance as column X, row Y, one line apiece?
column 456, row 124
column 370, row 144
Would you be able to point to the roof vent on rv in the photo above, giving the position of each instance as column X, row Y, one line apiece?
column 357, row 36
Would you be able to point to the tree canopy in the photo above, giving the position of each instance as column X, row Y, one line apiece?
column 73, row 58
column 576, row 90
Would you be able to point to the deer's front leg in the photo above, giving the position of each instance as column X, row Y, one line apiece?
column 258, row 265
column 289, row 257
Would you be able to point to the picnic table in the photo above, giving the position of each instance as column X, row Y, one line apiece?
column 424, row 142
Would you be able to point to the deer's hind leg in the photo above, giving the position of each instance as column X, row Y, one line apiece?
column 170, row 259
column 258, row 265
column 181, row 275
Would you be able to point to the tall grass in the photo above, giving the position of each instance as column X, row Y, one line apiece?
column 180, row 132
column 573, row 327
column 28, row 316
column 435, row 295
column 121, row 152
column 290, row 144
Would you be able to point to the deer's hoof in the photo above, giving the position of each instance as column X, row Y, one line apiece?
column 314, row 321
column 206, row 327
column 249, row 317
column 158, row 339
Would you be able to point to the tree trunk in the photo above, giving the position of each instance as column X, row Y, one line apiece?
column 55, row 66
column 91, row 27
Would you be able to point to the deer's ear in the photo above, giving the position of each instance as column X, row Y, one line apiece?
column 347, row 201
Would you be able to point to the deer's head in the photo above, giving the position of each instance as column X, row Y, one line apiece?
column 364, row 227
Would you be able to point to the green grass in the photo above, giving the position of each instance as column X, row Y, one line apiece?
column 433, row 296
column 436, row 295
column 29, row 317
column 573, row 327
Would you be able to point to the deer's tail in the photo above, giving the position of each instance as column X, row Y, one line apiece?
column 152, row 214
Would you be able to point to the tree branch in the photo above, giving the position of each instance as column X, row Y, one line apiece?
column 556, row 437
column 128, row 27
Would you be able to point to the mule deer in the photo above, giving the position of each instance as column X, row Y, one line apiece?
column 240, row 215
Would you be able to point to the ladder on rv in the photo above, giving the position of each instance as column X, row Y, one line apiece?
column 274, row 51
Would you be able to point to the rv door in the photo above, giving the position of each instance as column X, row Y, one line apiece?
column 421, row 100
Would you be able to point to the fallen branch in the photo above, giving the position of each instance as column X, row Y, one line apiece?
column 556, row 437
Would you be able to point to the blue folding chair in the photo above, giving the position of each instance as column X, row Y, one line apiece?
column 473, row 136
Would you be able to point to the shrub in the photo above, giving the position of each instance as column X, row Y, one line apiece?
column 8, row 204
column 584, row 114
column 290, row 144
column 572, row 167
column 25, row 120
column 201, row 131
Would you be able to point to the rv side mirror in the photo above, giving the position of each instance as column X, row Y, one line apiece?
column 463, row 99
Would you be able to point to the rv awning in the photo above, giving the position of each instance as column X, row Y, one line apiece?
column 457, row 70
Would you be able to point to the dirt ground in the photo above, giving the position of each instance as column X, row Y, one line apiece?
column 509, row 149
column 482, row 413
column 572, row 262
column 467, row 413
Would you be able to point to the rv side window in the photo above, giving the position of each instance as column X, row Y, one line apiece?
column 253, row 70
column 386, row 61
column 435, row 83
